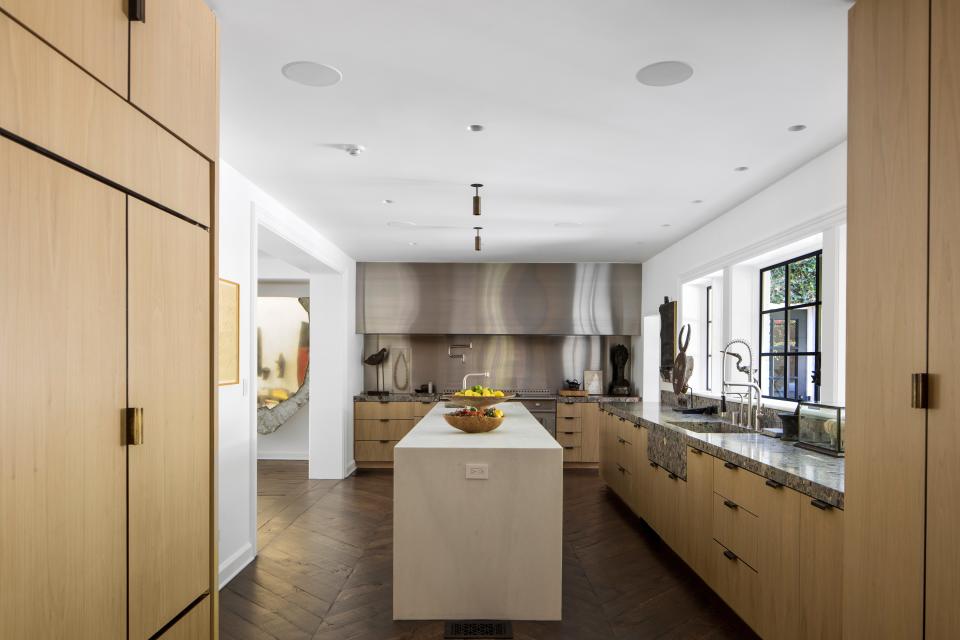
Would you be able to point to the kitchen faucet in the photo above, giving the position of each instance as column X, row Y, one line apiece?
column 753, row 414
column 485, row 374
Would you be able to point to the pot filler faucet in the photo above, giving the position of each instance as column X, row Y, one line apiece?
column 752, row 419
column 485, row 374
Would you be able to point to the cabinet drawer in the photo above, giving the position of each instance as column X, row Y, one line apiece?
column 569, row 425
column 373, row 450
column 567, row 438
column 737, row 484
column 421, row 409
column 626, row 430
column 383, row 429
column 736, row 529
column 736, row 583
column 571, row 452
column 382, row 410
column 569, row 410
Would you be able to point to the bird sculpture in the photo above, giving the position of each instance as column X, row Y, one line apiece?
column 377, row 360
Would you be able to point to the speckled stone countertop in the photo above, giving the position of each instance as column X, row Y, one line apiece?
column 398, row 397
column 816, row 475
column 601, row 399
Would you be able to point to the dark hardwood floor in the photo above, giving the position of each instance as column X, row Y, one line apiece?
column 324, row 566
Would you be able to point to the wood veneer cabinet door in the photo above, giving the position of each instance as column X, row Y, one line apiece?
column 821, row 579
column 174, row 69
column 92, row 33
column 943, row 417
column 590, row 429
column 62, row 391
column 887, row 291
column 699, row 525
column 169, row 377
column 193, row 626
column 778, row 561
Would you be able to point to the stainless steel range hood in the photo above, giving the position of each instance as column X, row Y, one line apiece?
column 498, row 298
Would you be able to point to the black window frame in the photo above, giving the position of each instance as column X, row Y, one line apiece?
column 786, row 309
column 709, row 336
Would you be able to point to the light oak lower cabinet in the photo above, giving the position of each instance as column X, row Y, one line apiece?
column 778, row 561
column 699, row 524
column 193, row 626
column 590, row 428
column 379, row 426
column 821, row 571
column 773, row 554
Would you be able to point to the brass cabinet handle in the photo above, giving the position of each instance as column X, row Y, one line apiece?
column 919, row 391
column 729, row 555
column 730, row 504
column 696, row 451
column 730, row 465
column 820, row 504
column 773, row 484
column 137, row 11
column 134, row 420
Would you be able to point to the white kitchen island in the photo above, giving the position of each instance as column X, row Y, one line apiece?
column 468, row 548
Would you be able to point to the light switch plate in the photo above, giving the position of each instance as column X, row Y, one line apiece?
column 478, row 471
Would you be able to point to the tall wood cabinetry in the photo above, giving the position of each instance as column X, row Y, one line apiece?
column 901, row 561
column 107, row 269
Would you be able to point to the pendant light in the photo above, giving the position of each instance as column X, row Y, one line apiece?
column 476, row 198
column 476, row 241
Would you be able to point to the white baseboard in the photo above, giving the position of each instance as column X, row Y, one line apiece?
column 233, row 565
column 282, row 455
column 351, row 468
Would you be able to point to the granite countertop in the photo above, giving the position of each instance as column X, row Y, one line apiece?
column 816, row 475
column 434, row 397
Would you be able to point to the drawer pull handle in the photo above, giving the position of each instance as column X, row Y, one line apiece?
column 729, row 555
column 820, row 504
column 654, row 465
column 696, row 451
column 672, row 476
column 730, row 465
column 773, row 484
column 619, row 468
column 568, row 417
column 569, row 447
column 384, row 441
column 623, row 419
column 730, row 504
column 137, row 11
column 384, row 419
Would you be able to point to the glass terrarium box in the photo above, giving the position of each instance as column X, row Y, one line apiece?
column 821, row 428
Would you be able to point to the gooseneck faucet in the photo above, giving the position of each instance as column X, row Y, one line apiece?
column 485, row 374
column 753, row 412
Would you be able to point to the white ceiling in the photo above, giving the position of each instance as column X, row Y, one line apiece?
column 571, row 135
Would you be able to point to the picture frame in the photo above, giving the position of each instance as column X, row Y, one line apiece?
column 228, row 335
column 593, row 382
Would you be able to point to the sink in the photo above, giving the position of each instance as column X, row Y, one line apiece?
column 704, row 426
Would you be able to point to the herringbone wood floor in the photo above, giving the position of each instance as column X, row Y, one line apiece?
column 324, row 566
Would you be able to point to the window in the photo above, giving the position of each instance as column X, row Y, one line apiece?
column 790, row 302
column 709, row 332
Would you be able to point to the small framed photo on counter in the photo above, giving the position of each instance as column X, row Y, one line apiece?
column 593, row 382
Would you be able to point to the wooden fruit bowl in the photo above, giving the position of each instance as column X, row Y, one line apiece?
column 480, row 402
column 472, row 424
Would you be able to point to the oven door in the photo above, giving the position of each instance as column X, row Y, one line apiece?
column 545, row 411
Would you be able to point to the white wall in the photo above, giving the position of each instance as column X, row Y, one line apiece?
column 809, row 200
column 250, row 221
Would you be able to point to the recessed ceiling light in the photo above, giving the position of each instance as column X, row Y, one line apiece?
column 797, row 127
column 387, row 201
column 664, row 74
column 475, row 128
column 696, row 202
column 740, row 168
column 568, row 225
column 312, row 74
column 665, row 225
column 402, row 224
column 412, row 244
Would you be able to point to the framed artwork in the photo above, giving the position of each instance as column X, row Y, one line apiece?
column 228, row 339
column 593, row 382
